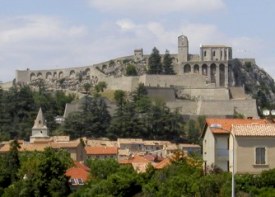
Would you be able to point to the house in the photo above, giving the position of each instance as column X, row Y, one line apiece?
column 101, row 152
column 138, row 162
column 128, row 146
column 132, row 144
column 78, row 175
column 254, row 148
column 216, row 141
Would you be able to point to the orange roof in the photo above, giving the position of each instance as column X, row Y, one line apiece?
column 99, row 150
column 165, row 162
column 226, row 124
column 150, row 157
column 263, row 130
column 79, row 171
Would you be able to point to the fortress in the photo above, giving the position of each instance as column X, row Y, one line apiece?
column 203, row 83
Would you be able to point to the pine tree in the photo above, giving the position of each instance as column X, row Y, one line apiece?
column 155, row 66
column 167, row 64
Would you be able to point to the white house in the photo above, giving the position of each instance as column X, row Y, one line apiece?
column 216, row 141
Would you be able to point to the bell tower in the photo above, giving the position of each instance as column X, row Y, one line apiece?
column 39, row 129
column 183, row 48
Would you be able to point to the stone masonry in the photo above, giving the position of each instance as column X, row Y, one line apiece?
column 199, row 78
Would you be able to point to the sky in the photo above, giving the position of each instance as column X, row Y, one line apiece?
column 69, row 33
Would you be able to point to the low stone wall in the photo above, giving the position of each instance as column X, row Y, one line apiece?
column 166, row 94
column 204, row 93
column 121, row 83
column 186, row 80
column 223, row 108
column 184, row 107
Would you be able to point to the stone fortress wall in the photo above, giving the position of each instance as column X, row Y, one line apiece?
column 200, row 78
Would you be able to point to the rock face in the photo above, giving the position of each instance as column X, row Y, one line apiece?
column 256, row 82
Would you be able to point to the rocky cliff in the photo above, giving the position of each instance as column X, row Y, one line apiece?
column 257, row 83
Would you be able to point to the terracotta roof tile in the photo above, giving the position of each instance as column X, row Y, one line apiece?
column 254, row 130
column 150, row 157
column 99, row 150
column 165, row 162
column 226, row 124
column 79, row 171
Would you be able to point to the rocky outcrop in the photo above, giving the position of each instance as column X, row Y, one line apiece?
column 256, row 82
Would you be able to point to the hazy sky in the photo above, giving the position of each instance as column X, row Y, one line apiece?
column 62, row 33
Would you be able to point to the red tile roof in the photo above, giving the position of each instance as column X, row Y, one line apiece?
column 165, row 162
column 99, row 150
column 79, row 171
column 226, row 124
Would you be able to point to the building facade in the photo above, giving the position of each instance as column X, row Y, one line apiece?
column 217, row 142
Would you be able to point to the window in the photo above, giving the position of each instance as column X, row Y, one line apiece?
column 77, row 181
column 73, row 181
column 260, row 155
column 204, row 54
column 80, row 182
column 214, row 53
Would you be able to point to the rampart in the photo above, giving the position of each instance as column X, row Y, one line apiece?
column 200, row 85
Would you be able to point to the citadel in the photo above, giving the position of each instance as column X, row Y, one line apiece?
column 203, row 84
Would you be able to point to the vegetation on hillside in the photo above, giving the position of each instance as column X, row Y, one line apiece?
column 19, row 107
column 136, row 115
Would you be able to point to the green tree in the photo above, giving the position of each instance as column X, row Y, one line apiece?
column 92, row 121
column 100, row 87
column 87, row 87
column 131, row 70
column 155, row 66
column 193, row 132
column 140, row 92
column 102, row 168
column 167, row 64
column 13, row 160
column 120, row 98
column 43, row 174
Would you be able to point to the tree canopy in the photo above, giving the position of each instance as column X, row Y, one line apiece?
column 154, row 62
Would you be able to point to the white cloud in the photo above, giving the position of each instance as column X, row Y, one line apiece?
column 157, row 6
column 126, row 24
column 24, row 28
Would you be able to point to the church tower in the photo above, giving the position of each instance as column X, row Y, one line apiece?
column 39, row 129
column 183, row 48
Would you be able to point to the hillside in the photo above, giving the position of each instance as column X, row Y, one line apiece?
column 257, row 82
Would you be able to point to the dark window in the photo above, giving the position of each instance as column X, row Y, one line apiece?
column 73, row 181
column 80, row 182
column 260, row 155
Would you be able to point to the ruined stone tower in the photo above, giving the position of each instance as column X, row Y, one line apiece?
column 183, row 48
